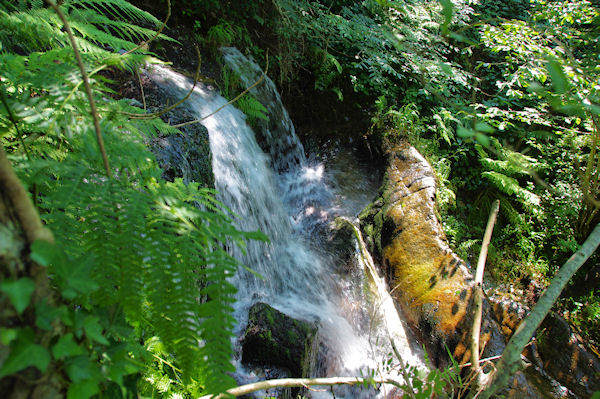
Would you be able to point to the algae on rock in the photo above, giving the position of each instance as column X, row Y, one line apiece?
column 275, row 339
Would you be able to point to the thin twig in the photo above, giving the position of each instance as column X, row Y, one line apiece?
column 178, row 103
column 141, row 88
column 262, row 77
column 86, row 82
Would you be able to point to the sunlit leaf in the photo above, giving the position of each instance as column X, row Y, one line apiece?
column 19, row 292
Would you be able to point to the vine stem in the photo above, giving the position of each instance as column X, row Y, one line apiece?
column 262, row 77
column 86, row 83
column 178, row 103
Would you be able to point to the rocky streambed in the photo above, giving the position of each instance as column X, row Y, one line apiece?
column 432, row 287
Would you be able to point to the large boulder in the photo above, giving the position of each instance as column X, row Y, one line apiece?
column 433, row 288
column 556, row 350
column 275, row 339
column 431, row 284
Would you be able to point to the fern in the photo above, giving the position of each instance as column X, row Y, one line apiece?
column 139, row 249
column 502, row 174
column 253, row 108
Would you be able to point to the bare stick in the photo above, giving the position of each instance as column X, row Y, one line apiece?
column 262, row 77
column 300, row 382
column 478, row 290
column 86, row 83
column 141, row 88
column 510, row 362
column 178, row 103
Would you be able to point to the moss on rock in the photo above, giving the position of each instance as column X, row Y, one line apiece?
column 275, row 339
column 431, row 284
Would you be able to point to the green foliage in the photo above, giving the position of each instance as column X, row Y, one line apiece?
column 248, row 103
column 371, row 46
column 135, row 257
column 585, row 315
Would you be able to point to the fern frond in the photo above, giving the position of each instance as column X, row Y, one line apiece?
column 252, row 108
column 117, row 9
column 511, row 186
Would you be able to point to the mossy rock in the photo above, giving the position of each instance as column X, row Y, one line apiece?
column 272, row 338
column 185, row 155
column 432, row 285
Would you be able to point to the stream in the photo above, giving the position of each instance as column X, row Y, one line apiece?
column 293, row 198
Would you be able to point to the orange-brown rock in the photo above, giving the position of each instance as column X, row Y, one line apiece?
column 433, row 287
column 430, row 283
column 556, row 350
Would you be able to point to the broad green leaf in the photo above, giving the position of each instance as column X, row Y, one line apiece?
column 482, row 139
column 80, row 368
column 93, row 330
column 559, row 80
column 24, row 354
column 19, row 292
column 7, row 335
column 83, row 390
column 447, row 13
column 122, row 368
column 66, row 346
column 43, row 253
column 79, row 278
column 484, row 127
column 45, row 314
column 464, row 133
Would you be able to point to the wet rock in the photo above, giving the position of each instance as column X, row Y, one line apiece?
column 432, row 284
column 275, row 339
column 557, row 352
column 341, row 240
column 185, row 155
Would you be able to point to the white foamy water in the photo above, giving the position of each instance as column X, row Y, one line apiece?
column 291, row 200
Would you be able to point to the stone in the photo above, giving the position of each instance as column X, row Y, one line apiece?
column 341, row 241
column 433, row 288
column 556, row 350
column 272, row 338
column 431, row 284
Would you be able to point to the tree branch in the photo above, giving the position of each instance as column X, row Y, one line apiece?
column 300, row 382
column 510, row 362
column 478, row 291
column 86, row 83
column 26, row 213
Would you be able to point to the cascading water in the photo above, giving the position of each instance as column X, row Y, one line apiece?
column 289, row 199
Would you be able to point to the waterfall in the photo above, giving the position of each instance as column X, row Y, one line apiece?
column 289, row 199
